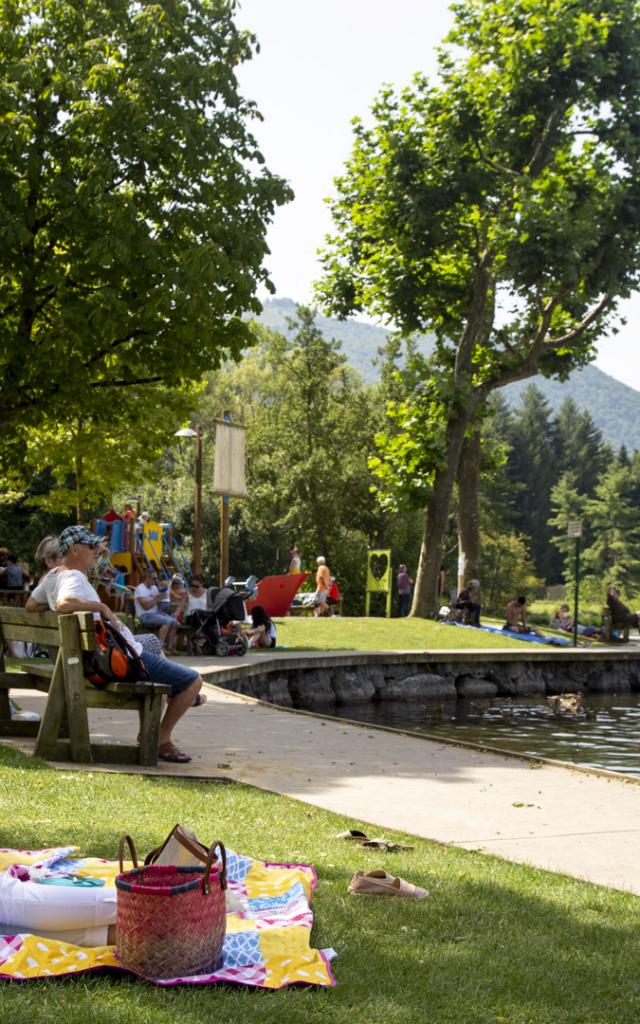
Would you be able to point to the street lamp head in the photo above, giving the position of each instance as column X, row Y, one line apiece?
column 186, row 432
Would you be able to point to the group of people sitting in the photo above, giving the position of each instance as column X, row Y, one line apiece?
column 165, row 605
column 67, row 564
column 467, row 606
column 68, row 561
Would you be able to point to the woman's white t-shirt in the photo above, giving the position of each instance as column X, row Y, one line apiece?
column 196, row 604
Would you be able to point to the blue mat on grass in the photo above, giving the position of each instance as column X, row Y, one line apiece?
column 554, row 641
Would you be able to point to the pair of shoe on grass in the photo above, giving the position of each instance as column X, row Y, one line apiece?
column 380, row 843
column 379, row 882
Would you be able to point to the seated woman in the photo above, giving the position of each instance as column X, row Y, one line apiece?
column 263, row 632
column 469, row 603
column 620, row 614
column 563, row 620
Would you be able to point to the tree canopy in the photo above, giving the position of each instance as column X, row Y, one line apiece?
column 499, row 209
column 134, row 199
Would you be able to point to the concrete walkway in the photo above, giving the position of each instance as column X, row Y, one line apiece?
column 561, row 819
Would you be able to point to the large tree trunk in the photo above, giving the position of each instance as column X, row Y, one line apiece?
column 468, row 511
column 425, row 597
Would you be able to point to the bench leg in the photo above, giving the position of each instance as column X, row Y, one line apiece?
column 74, row 685
column 150, row 713
column 5, row 706
column 54, row 714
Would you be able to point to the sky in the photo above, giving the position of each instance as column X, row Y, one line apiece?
column 319, row 66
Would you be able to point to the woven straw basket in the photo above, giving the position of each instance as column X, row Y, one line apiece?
column 171, row 920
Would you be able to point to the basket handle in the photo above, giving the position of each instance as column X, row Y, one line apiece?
column 211, row 856
column 124, row 838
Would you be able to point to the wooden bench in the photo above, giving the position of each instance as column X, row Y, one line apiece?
column 63, row 732
column 608, row 626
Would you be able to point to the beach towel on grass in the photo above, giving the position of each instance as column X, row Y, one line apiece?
column 267, row 946
column 555, row 641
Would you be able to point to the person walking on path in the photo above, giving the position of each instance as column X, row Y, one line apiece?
column 323, row 585
column 66, row 589
column 404, row 584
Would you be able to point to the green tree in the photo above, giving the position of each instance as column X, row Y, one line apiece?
column 533, row 465
column 134, row 199
column 579, row 446
column 499, row 209
column 508, row 570
column 309, row 431
column 568, row 504
column 613, row 518
column 88, row 458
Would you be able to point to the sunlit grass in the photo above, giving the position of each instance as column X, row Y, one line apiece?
column 361, row 634
column 494, row 942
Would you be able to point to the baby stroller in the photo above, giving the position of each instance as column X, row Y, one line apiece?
column 216, row 631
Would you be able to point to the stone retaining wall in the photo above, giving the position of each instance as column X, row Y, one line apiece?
column 327, row 685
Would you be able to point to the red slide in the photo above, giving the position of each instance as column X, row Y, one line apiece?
column 275, row 593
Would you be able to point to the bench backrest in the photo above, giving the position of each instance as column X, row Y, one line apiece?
column 43, row 627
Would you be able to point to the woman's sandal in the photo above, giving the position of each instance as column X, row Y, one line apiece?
column 172, row 754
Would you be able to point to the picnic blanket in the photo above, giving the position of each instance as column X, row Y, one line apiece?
column 555, row 641
column 267, row 945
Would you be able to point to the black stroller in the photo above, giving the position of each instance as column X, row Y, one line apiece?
column 216, row 631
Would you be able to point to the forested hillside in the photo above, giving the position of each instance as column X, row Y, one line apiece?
column 613, row 406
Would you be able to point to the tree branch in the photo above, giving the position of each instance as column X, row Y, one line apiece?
column 540, row 154
column 580, row 328
column 97, row 356
column 125, row 383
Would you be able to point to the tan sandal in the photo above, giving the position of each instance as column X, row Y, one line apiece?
column 379, row 883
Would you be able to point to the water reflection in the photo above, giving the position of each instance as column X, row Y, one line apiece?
column 599, row 731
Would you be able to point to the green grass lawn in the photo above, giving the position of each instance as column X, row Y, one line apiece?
column 495, row 942
column 360, row 634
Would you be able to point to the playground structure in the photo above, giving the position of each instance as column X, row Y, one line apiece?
column 136, row 546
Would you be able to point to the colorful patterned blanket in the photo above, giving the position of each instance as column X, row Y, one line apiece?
column 267, row 944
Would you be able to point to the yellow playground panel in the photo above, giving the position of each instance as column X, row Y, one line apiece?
column 152, row 543
column 378, row 577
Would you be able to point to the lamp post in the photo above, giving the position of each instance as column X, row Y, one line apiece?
column 197, row 433
column 574, row 529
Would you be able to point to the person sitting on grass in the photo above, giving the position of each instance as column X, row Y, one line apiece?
column 67, row 589
column 262, row 632
column 469, row 603
column 620, row 614
column 563, row 620
column 517, row 618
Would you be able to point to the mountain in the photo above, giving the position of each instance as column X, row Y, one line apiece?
column 613, row 406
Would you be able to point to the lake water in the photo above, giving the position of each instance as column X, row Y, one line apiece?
column 603, row 733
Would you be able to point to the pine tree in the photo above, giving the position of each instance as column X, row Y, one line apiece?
column 613, row 518
column 567, row 504
column 533, row 464
column 580, row 448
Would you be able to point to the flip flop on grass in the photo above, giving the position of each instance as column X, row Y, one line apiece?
column 384, row 844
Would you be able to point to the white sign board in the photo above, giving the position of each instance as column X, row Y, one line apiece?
column 228, row 474
column 574, row 528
